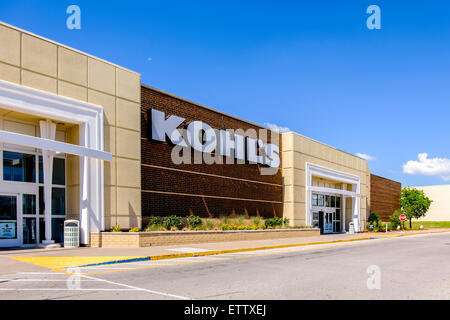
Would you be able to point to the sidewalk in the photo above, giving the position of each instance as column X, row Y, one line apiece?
column 60, row 257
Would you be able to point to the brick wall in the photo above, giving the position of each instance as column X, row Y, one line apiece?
column 384, row 196
column 201, row 189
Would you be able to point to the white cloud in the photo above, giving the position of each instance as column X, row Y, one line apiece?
column 277, row 128
column 365, row 156
column 428, row 167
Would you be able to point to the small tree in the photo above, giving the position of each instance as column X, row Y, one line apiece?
column 414, row 204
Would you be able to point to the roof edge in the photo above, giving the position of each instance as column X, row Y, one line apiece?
column 65, row 46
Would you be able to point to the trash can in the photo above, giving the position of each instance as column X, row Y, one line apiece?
column 351, row 228
column 71, row 234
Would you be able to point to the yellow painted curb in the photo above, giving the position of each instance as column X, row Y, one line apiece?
column 216, row 252
column 65, row 262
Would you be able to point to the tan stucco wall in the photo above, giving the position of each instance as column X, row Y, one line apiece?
column 297, row 150
column 440, row 207
column 39, row 63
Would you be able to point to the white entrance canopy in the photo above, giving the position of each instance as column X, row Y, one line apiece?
column 89, row 118
column 334, row 191
column 52, row 145
column 313, row 170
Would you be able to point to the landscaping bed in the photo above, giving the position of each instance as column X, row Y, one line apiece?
column 166, row 238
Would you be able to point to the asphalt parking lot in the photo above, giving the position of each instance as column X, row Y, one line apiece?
column 414, row 267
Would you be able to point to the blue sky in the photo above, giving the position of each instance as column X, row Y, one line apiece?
column 311, row 66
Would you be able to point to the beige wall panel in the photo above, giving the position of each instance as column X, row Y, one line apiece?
column 37, row 81
column 129, row 203
column 293, row 176
column 72, row 66
column 73, row 202
column 128, row 85
column 299, row 194
column 60, row 136
column 72, row 135
column 127, row 222
column 128, row 114
column 110, row 139
column 9, row 73
column 110, row 201
column 128, row 173
column 128, row 143
column 10, row 48
column 287, row 141
column 73, row 170
column 39, row 55
column 108, row 103
column 110, row 221
column 101, row 76
column 110, row 172
column 288, row 210
column 18, row 127
column 440, row 207
column 288, row 194
column 72, row 91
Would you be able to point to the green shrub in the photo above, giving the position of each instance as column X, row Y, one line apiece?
column 240, row 220
column 395, row 220
column 225, row 220
column 286, row 222
column 116, row 228
column 375, row 219
column 154, row 221
column 256, row 220
column 209, row 224
column 173, row 221
column 135, row 229
column 273, row 222
column 194, row 221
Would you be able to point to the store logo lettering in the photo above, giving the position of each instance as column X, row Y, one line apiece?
column 201, row 137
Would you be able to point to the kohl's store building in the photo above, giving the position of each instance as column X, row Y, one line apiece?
column 81, row 138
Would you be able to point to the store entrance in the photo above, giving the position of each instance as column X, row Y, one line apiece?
column 326, row 213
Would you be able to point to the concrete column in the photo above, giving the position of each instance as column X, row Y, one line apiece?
column 48, row 131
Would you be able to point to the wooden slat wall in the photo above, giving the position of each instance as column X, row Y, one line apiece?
column 384, row 196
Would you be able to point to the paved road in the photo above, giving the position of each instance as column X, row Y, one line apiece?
column 415, row 267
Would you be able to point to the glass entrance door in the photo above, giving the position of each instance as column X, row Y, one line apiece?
column 328, row 222
column 9, row 222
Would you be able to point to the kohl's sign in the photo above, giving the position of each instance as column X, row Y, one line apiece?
column 241, row 145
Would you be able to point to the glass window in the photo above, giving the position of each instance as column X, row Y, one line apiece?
column 8, row 208
column 58, row 201
column 29, row 204
column 321, row 200
column 41, row 201
column 41, row 230
column 315, row 216
column 338, row 202
column 327, row 201
column 59, row 171
column 314, row 199
column 29, row 231
column 58, row 230
column 8, row 217
column 338, row 214
column 19, row 167
column 333, row 201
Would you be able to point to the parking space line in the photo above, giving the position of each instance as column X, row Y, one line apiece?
column 139, row 289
